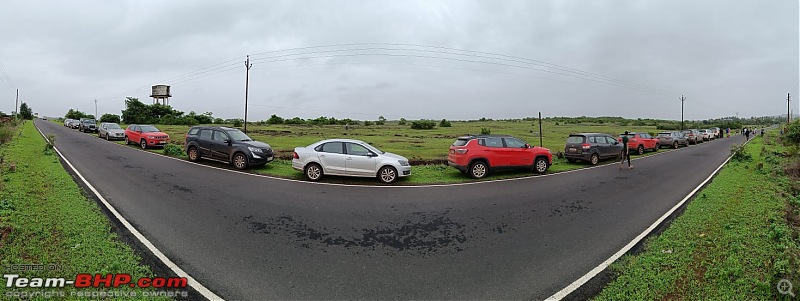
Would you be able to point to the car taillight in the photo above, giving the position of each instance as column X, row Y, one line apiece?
column 295, row 156
column 461, row 151
column 586, row 146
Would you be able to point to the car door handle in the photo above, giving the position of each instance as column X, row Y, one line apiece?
column 322, row 156
column 349, row 158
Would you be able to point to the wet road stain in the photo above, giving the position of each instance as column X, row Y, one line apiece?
column 567, row 207
column 420, row 234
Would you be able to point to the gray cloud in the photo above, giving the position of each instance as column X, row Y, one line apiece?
column 726, row 57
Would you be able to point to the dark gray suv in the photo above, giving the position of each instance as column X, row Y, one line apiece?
column 591, row 147
column 87, row 125
column 228, row 145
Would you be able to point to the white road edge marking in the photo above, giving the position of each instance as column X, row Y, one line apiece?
column 594, row 272
column 177, row 270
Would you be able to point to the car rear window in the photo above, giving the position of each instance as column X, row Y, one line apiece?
column 575, row 139
column 460, row 142
column 664, row 134
column 193, row 131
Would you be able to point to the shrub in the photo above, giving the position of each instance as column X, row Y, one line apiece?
column 367, row 123
column 110, row 118
column 444, row 124
column 739, row 153
column 485, row 131
column 51, row 143
column 237, row 123
column 6, row 132
column 423, row 124
column 173, row 150
column 402, row 121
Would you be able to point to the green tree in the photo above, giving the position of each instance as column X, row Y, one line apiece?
column 444, row 124
column 25, row 112
column 274, row 119
column 219, row 121
column 135, row 111
column 75, row 114
column 381, row 121
column 110, row 118
column 402, row 121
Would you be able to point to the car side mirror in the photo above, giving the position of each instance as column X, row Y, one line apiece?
column 139, row 132
column 527, row 145
column 616, row 142
column 371, row 154
column 227, row 141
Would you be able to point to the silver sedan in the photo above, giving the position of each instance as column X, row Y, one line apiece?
column 110, row 131
column 347, row 157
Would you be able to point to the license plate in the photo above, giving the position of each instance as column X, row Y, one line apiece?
column 573, row 150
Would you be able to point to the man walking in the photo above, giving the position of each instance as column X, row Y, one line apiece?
column 625, row 152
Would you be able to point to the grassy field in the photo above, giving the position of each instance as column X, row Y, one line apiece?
column 427, row 149
column 733, row 242
column 44, row 219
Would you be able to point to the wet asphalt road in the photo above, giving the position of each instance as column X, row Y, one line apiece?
column 255, row 238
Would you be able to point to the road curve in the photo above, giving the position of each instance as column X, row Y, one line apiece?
column 255, row 238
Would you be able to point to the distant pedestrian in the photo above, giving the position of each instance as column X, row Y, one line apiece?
column 747, row 133
column 625, row 152
column 728, row 132
column 346, row 126
column 762, row 132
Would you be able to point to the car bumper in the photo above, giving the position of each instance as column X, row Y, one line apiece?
column 258, row 159
column 156, row 142
column 460, row 167
column 404, row 171
column 578, row 156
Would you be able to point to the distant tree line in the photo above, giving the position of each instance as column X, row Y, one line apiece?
column 137, row 112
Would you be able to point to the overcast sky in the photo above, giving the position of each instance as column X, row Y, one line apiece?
column 412, row 59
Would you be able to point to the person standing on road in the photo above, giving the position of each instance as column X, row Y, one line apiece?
column 728, row 132
column 625, row 152
column 746, row 134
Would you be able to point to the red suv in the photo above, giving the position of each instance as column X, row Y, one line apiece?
column 145, row 135
column 477, row 155
column 640, row 142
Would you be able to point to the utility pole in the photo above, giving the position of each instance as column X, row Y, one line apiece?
column 788, row 106
column 541, row 144
column 95, row 109
column 247, row 65
column 682, row 100
column 16, row 105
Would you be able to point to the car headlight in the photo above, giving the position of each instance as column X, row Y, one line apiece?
column 151, row 137
column 255, row 150
column 403, row 162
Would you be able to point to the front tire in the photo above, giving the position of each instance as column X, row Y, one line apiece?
column 387, row 174
column 143, row 144
column 675, row 145
column 193, row 154
column 240, row 161
column 127, row 142
column 313, row 172
column 540, row 165
column 478, row 170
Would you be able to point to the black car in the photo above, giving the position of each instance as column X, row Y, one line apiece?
column 591, row 147
column 87, row 125
column 228, row 145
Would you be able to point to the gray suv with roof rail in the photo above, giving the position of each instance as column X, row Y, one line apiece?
column 227, row 145
column 591, row 147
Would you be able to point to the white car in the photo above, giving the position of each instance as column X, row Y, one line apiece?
column 346, row 157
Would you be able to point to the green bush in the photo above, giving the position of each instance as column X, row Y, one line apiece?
column 172, row 150
column 237, row 123
column 423, row 124
column 402, row 121
column 485, row 131
column 740, row 153
column 792, row 134
column 444, row 124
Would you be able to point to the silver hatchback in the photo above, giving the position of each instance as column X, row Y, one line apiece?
column 110, row 131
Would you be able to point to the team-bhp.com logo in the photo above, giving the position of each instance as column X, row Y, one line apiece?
column 96, row 280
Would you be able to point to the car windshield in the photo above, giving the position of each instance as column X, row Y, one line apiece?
column 113, row 126
column 149, row 129
column 89, row 121
column 238, row 135
column 664, row 134
column 575, row 139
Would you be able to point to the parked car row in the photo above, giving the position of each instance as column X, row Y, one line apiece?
column 474, row 155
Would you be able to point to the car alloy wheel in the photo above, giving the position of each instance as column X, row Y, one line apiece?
column 540, row 164
column 640, row 150
column 127, row 142
column 143, row 144
column 313, row 172
column 193, row 154
column 387, row 174
column 593, row 160
column 675, row 145
column 239, row 161
column 478, row 170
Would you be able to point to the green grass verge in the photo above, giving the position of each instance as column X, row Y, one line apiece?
column 731, row 243
column 44, row 219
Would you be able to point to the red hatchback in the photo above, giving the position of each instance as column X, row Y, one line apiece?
column 477, row 155
column 145, row 136
column 640, row 142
